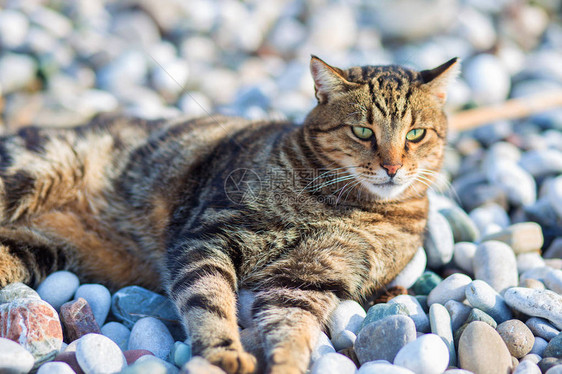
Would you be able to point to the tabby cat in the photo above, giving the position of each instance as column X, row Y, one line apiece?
column 302, row 216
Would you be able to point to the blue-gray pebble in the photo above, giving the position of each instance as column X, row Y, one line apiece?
column 180, row 354
column 380, row 311
column 151, row 334
column 99, row 299
column 58, row 288
column 541, row 327
column 480, row 295
column 117, row 332
column 96, row 353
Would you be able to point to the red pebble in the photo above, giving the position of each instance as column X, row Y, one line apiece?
column 70, row 359
column 78, row 319
column 134, row 354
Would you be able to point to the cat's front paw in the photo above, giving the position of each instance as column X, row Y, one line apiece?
column 233, row 361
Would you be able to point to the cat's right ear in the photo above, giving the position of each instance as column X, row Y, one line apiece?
column 328, row 80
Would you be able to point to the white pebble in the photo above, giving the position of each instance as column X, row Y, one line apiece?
column 14, row 358
column 151, row 334
column 58, row 288
column 427, row 354
column 440, row 321
column 488, row 79
column 536, row 303
column 553, row 280
column 96, row 353
column 463, row 255
column 99, row 299
column 451, row 288
column 323, row 346
column 333, row 363
column 415, row 311
column 488, row 214
column 415, row 268
column 527, row 261
column 555, row 195
column 117, row 332
column 343, row 339
column 495, row 263
column 348, row 315
column 375, row 367
column 55, row 368
column 527, row 367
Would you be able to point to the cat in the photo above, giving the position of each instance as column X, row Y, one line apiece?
column 301, row 215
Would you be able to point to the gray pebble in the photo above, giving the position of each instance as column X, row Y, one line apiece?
column 343, row 339
column 495, row 263
column 554, row 195
column 438, row 243
column 55, row 368
column 533, row 357
column 527, row 367
column 464, row 230
column 58, row 288
column 428, row 354
column 96, row 353
column 541, row 327
column 542, row 162
column 517, row 183
column 415, row 311
column 17, row 291
column 557, row 369
column 323, row 346
column 14, row 358
column 463, row 256
column 99, row 299
column 333, row 363
column 553, row 280
column 117, row 332
column 554, row 347
column 170, row 368
column 527, row 261
column 536, row 303
column 151, row 334
column 415, row 268
column 539, row 346
column 451, row 288
column 480, row 295
column 521, row 237
column 555, row 249
column 458, row 311
column 383, row 310
column 348, row 315
column 440, row 321
column 487, row 214
column 383, row 339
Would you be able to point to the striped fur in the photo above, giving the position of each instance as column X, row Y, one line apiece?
column 303, row 216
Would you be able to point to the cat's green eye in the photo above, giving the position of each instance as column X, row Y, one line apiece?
column 415, row 135
column 361, row 132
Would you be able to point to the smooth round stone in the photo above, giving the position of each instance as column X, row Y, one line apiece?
column 533, row 283
column 541, row 327
column 480, row 295
column 170, row 368
column 133, row 355
column 333, row 363
column 495, row 263
column 554, row 347
column 70, row 359
column 554, row 195
column 382, row 367
column 426, row 282
column 458, row 311
column 383, row 310
column 415, row 311
column 146, row 367
column 553, row 280
column 539, row 346
column 452, row 288
column 488, row 79
column 151, row 334
column 527, row 261
column 323, row 346
column 438, row 243
column 381, row 340
column 527, row 367
column 348, row 315
column 180, row 354
column 78, row 319
column 15, row 291
column 440, row 321
column 542, row 162
column 14, row 358
column 96, row 353
column 536, row 303
column 482, row 350
column 538, row 273
column 548, row 362
column 16, row 71
column 464, row 230
column 99, row 299
column 58, row 288
column 554, row 250
column 463, row 255
column 117, row 332
column 517, row 337
column 415, row 268
column 198, row 365
column 521, row 237
column 344, row 339
column 55, row 368
column 519, row 185
column 428, row 354
column 488, row 214
column 533, row 357
column 557, row 369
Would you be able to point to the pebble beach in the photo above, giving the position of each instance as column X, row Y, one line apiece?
column 483, row 294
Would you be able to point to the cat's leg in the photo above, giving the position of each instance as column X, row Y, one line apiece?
column 202, row 282
column 289, row 321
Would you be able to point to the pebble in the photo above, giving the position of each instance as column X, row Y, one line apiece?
column 99, row 299
column 132, row 303
column 70, row 359
column 134, row 354
column 480, row 295
column 323, row 346
column 198, row 365
column 180, row 354
column 426, row 282
column 538, row 273
column 14, row 358
column 463, row 256
column 495, row 263
column 17, row 290
column 521, row 237
column 527, row 261
column 78, row 319
column 379, row 311
column 410, row 274
column 13, row 28
column 96, row 353
column 170, row 368
column 533, row 357
column 554, row 195
column 438, row 241
column 554, row 347
column 58, row 288
column 539, row 346
column 34, row 324
column 541, row 327
column 548, row 362
column 117, row 332
column 348, row 315
column 428, row 354
column 527, row 367
column 488, row 214
column 517, row 337
column 151, row 334
column 16, row 72
column 554, row 250
column 557, row 369
column 458, row 311
column 542, row 162
column 536, row 303
column 553, row 280
column 55, row 368
column 518, row 184
column 440, row 321
column 415, row 311
column 382, row 367
column 381, row 340
column 343, row 339
column 482, row 350
column 464, row 230
column 452, row 288
column 333, row 363
column 489, row 81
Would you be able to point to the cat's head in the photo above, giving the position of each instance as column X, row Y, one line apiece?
column 384, row 125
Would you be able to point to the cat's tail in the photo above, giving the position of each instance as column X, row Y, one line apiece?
column 510, row 109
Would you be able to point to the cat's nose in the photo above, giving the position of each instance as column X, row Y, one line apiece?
column 391, row 169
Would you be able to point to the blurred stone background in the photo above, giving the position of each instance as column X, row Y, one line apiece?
column 63, row 61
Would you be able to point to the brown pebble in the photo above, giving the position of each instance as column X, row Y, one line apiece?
column 134, row 354
column 517, row 337
column 70, row 359
column 78, row 319
column 533, row 283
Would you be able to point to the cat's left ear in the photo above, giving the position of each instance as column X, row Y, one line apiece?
column 328, row 80
column 437, row 80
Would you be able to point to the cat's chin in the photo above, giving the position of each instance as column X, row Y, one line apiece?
column 386, row 191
